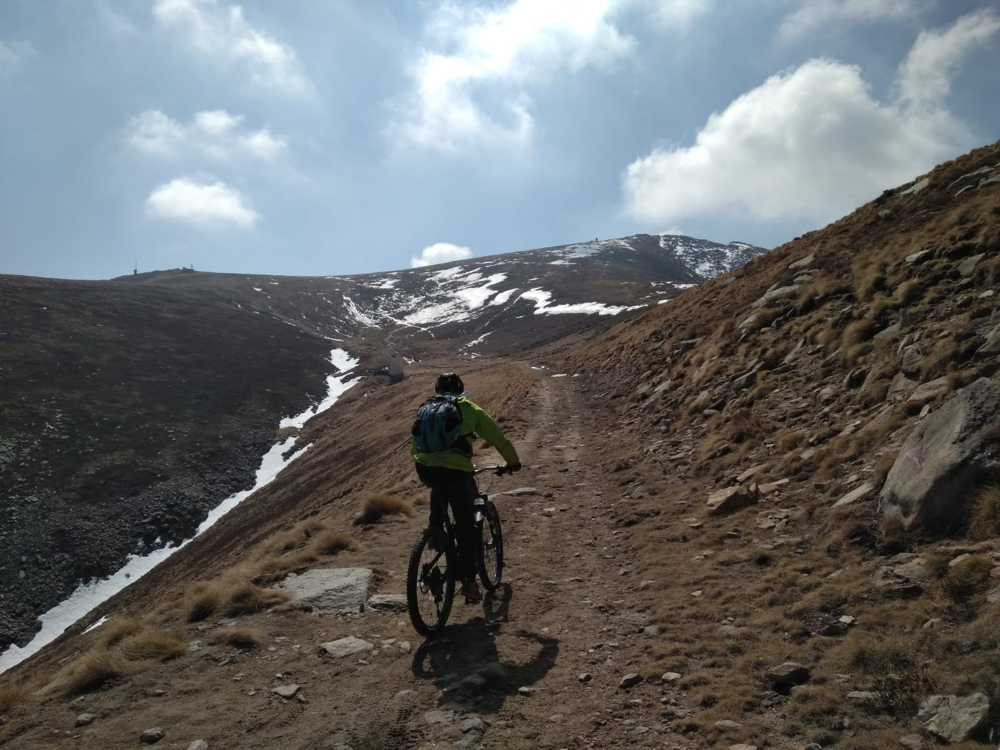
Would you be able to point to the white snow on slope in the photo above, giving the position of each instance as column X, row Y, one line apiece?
column 479, row 340
column 358, row 314
column 336, row 387
column 541, row 298
column 461, row 302
column 502, row 298
column 90, row 595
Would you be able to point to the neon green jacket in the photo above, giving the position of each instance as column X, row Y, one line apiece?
column 475, row 422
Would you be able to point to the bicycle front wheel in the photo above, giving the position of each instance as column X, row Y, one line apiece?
column 491, row 550
column 430, row 582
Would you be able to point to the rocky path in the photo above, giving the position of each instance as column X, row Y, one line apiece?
column 557, row 646
column 549, row 662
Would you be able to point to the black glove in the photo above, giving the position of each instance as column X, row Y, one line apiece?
column 511, row 468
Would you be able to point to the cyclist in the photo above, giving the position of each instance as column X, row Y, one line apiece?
column 449, row 474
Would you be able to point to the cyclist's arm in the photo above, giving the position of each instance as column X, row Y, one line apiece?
column 490, row 432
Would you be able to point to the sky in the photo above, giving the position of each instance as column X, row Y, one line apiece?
column 351, row 136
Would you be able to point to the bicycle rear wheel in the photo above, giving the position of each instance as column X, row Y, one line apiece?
column 430, row 582
column 491, row 550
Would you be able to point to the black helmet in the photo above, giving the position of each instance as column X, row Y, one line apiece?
column 449, row 382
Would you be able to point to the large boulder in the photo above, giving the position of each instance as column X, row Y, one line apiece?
column 330, row 590
column 954, row 719
column 944, row 458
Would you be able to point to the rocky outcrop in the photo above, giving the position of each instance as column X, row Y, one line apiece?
column 330, row 590
column 944, row 458
column 954, row 719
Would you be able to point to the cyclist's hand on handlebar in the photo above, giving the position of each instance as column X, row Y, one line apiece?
column 511, row 468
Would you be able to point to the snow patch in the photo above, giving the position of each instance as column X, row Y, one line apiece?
column 336, row 387
column 502, row 298
column 542, row 299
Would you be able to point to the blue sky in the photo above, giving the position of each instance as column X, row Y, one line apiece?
column 344, row 137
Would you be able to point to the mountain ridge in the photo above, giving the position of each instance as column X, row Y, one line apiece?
column 152, row 396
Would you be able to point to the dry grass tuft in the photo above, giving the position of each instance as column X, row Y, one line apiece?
column 244, row 598
column 94, row 670
column 879, row 654
column 118, row 628
column 231, row 596
column 894, row 536
column 12, row 694
column 379, row 505
column 153, row 644
column 332, row 542
column 243, row 638
column 909, row 293
column 967, row 577
column 745, row 425
column 859, row 332
column 985, row 513
column 202, row 604
column 765, row 318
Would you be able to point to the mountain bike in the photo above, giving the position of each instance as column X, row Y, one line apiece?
column 434, row 564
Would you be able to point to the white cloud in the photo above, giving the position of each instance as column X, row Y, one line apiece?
column 473, row 87
column 676, row 13
column 222, row 31
column 810, row 143
column 818, row 14
column 925, row 75
column 116, row 23
column 262, row 144
column 440, row 252
column 215, row 134
column 200, row 203
column 217, row 121
column 12, row 55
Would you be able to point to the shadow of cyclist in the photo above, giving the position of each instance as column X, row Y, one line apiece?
column 464, row 662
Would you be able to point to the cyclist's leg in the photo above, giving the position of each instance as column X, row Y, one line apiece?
column 431, row 478
column 461, row 495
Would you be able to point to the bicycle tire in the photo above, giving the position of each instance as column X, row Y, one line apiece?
column 492, row 533
column 414, row 594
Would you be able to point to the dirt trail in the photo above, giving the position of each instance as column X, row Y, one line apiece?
column 568, row 608
column 570, row 605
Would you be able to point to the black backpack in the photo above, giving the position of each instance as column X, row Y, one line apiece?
column 438, row 426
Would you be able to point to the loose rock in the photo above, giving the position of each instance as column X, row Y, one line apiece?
column 330, row 590
column 630, row 680
column 943, row 458
column 388, row 602
column 286, row 691
column 731, row 499
column 152, row 736
column 859, row 493
column 954, row 719
column 85, row 720
column 787, row 674
column 346, row 647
